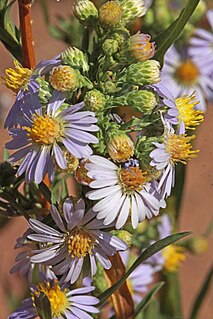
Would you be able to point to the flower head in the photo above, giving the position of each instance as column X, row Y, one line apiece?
column 110, row 13
column 121, row 191
column 24, row 82
column 43, row 132
column 64, row 303
column 64, row 78
column 79, row 236
column 184, row 76
column 120, row 147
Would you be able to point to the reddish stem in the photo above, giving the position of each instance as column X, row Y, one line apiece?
column 26, row 33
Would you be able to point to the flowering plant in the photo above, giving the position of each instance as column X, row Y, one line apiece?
column 103, row 117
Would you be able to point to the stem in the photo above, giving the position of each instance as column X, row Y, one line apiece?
column 26, row 33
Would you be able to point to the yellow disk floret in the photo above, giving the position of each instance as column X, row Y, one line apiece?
column 179, row 148
column 187, row 73
column 132, row 179
column 80, row 243
column 110, row 13
column 57, row 298
column 173, row 256
column 45, row 129
column 64, row 78
column 187, row 113
column 17, row 78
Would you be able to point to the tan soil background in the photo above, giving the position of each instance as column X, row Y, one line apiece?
column 197, row 206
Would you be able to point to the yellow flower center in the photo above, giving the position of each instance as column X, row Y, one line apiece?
column 16, row 78
column 187, row 72
column 110, row 13
column 45, row 129
column 120, row 148
column 187, row 113
column 80, row 243
column 173, row 256
column 131, row 179
column 179, row 148
column 57, row 298
column 64, row 78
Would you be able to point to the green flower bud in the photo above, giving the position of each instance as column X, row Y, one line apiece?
column 85, row 11
column 45, row 90
column 75, row 58
column 110, row 47
column 123, row 235
column 142, row 100
column 94, row 101
column 120, row 35
column 197, row 245
column 132, row 9
column 110, row 87
column 143, row 73
column 143, row 148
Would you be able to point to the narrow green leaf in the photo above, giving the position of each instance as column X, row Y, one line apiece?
column 165, row 39
column 43, row 307
column 147, row 299
column 45, row 192
column 201, row 295
column 147, row 253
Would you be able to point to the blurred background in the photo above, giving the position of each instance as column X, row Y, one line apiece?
column 197, row 204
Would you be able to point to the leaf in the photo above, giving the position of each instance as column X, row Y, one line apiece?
column 43, row 307
column 122, row 299
column 147, row 253
column 45, row 191
column 201, row 295
column 166, row 38
column 147, row 299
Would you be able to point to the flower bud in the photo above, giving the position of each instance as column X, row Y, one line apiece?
column 64, row 78
column 142, row 100
column 44, row 92
column 110, row 47
column 94, row 101
column 85, row 11
column 110, row 13
column 197, row 245
column 137, row 48
column 132, row 9
column 120, row 147
column 143, row 73
column 75, row 58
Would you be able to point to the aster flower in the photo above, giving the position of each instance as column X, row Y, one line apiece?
column 22, row 81
column 175, row 148
column 121, row 191
column 43, row 133
column 183, row 76
column 201, row 46
column 139, row 279
column 181, row 111
column 80, row 236
column 64, row 303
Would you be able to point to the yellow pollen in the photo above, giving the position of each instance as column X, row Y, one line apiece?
column 179, row 148
column 187, row 72
column 132, row 179
column 45, row 129
column 187, row 113
column 17, row 78
column 80, row 243
column 57, row 298
column 120, row 148
column 174, row 256
column 64, row 78
column 110, row 13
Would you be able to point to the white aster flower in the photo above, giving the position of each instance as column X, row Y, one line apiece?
column 121, row 191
